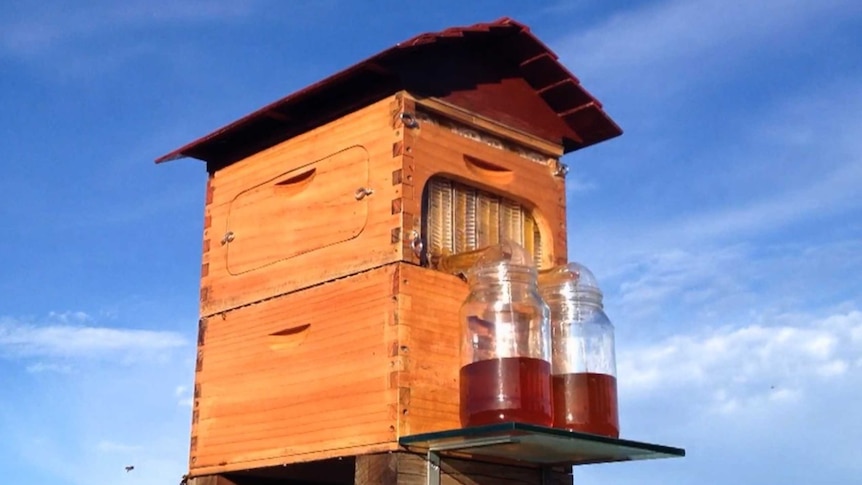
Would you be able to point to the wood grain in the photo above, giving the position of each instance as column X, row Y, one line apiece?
column 327, row 393
column 411, row 469
column 291, row 211
column 438, row 151
column 454, row 112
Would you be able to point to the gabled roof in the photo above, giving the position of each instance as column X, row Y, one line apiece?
column 497, row 69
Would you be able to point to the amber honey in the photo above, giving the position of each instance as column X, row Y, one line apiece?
column 505, row 390
column 586, row 402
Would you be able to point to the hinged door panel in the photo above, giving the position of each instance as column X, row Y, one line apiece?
column 316, row 205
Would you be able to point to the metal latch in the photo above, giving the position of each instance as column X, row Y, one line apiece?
column 409, row 120
column 561, row 170
column 362, row 192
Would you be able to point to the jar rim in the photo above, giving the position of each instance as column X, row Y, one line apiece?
column 503, row 272
column 572, row 279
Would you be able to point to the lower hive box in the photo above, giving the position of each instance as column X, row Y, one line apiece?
column 339, row 369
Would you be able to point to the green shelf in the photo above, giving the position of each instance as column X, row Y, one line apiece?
column 534, row 445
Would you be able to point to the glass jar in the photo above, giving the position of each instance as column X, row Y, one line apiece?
column 506, row 337
column 583, row 360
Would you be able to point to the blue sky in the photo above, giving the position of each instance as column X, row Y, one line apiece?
column 725, row 225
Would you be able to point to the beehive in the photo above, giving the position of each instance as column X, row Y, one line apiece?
column 325, row 330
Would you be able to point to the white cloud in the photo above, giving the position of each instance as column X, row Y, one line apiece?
column 70, row 317
column 832, row 368
column 37, row 29
column 86, row 427
column 789, row 161
column 683, row 276
column 678, row 32
column 58, row 339
column 731, row 368
column 184, row 396
column 83, row 43
column 39, row 367
column 775, row 181
column 734, row 286
column 774, row 396
column 834, row 191
column 577, row 185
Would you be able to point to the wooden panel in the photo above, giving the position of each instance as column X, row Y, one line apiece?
column 304, row 209
column 437, row 149
column 325, row 454
column 304, row 374
column 293, row 233
column 430, row 332
column 490, row 125
column 377, row 469
column 376, row 357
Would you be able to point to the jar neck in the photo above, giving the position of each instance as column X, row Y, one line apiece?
column 573, row 303
column 508, row 283
column 503, row 274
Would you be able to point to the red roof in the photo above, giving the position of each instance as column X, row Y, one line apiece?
column 497, row 69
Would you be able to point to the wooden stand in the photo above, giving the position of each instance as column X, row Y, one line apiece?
column 397, row 468
column 411, row 469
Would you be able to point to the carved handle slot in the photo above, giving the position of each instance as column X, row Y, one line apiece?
column 488, row 171
column 295, row 184
column 288, row 338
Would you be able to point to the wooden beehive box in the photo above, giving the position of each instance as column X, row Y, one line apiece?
column 325, row 331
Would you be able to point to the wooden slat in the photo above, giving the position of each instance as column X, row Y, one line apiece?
column 267, row 265
column 306, row 428
column 328, row 391
column 228, row 337
column 287, row 401
column 370, row 123
column 411, row 469
column 381, row 469
column 490, row 125
column 437, row 150
column 428, row 309
column 240, row 341
column 362, row 360
column 355, row 437
column 383, row 446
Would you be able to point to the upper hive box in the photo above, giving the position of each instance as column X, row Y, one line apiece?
column 332, row 179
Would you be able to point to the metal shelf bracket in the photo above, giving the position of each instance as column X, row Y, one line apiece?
column 433, row 454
